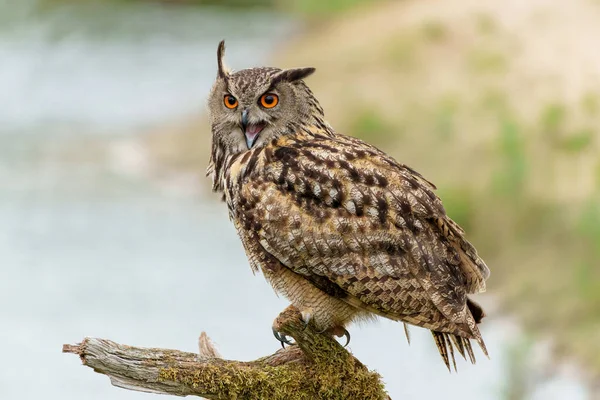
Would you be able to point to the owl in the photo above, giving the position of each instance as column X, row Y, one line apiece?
column 337, row 226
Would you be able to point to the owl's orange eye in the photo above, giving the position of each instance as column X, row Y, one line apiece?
column 230, row 101
column 269, row 100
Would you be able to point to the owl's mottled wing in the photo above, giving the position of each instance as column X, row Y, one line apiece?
column 339, row 210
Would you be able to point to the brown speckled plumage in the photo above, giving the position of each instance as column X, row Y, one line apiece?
column 336, row 225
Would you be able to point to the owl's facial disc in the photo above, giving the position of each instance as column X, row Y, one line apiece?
column 251, row 131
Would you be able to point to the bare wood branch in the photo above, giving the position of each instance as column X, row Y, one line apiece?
column 206, row 348
column 317, row 368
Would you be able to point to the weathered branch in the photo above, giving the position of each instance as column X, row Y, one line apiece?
column 317, row 368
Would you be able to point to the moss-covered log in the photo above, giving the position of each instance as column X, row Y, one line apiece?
column 317, row 368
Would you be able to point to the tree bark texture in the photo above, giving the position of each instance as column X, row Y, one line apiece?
column 318, row 367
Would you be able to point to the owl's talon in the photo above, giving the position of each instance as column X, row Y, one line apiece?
column 340, row 331
column 283, row 339
column 347, row 335
column 306, row 317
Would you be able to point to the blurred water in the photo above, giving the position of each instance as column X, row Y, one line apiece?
column 114, row 69
column 88, row 251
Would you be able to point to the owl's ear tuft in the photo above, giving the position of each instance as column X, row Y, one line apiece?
column 223, row 71
column 291, row 75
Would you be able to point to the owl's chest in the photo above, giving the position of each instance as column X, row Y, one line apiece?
column 250, row 211
column 251, row 206
column 250, row 191
column 237, row 177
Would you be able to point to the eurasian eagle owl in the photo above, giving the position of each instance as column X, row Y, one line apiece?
column 341, row 229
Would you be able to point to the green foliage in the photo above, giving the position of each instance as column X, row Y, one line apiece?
column 220, row 3
column 486, row 24
column 434, row 31
column 444, row 117
column 598, row 176
column 459, row 205
column 231, row 3
column 591, row 104
column 494, row 100
column 587, row 281
column 589, row 222
column 511, row 178
column 552, row 118
column 306, row 7
column 485, row 60
column 368, row 124
column 577, row 142
column 401, row 52
column 320, row 7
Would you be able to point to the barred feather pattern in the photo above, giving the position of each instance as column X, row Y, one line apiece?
column 361, row 228
column 339, row 227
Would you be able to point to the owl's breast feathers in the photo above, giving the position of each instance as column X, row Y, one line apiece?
column 358, row 225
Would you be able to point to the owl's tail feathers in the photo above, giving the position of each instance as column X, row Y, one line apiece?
column 478, row 314
column 446, row 342
column 407, row 332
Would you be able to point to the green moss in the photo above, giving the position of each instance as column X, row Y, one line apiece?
column 335, row 379
column 232, row 381
column 327, row 371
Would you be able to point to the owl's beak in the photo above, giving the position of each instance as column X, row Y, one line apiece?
column 244, row 119
column 251, row 131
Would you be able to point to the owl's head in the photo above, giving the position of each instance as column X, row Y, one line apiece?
column 251, row 107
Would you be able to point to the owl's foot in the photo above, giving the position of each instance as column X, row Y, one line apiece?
column 306, row 316
column 283, row 339
column 339, row 331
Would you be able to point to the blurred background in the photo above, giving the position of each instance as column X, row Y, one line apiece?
column 108, row 227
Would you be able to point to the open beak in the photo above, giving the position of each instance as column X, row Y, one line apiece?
column 251, row 131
